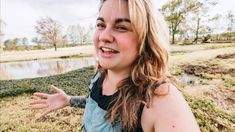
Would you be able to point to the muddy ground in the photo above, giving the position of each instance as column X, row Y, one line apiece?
column 218, row 80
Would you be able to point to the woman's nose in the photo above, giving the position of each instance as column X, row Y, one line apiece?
column 106, row 35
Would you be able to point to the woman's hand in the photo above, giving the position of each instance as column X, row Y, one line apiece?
column 50, row 102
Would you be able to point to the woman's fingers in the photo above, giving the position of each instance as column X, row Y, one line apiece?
column 39, row 106
column 41, row 95
column 56, row 89
column 38, row 102
column 43, row 114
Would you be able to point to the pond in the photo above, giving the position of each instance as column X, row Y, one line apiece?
column 42, row 68
column 190, row 79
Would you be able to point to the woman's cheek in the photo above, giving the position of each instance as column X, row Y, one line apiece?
column 96, row 40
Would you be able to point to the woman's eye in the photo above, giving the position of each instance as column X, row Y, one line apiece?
column 121, row 28
column 100, row 26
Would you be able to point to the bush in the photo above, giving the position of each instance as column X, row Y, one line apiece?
column 73, row 83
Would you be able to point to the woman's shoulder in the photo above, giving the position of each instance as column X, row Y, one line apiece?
column 169, row 111
column 167, row 97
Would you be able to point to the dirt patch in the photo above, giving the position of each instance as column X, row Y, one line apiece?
column 224, row 97
column 219, row 94
column 226, row 56
column 198, row 70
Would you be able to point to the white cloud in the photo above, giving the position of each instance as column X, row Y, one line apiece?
column 21, row 15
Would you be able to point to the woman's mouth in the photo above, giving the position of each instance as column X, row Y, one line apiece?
column 108, row 50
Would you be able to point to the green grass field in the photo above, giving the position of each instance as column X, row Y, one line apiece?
column 206, row 78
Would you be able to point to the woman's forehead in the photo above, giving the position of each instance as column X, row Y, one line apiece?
column 112, row 9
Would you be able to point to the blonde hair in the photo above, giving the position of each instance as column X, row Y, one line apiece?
column 149, row 69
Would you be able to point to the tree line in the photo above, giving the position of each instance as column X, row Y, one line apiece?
column 50, row 33
column 190, row 21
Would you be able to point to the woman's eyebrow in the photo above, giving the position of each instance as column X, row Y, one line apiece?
column 100, row 18
column 118, row 20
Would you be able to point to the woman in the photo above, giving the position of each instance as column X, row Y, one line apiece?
column 131, row 90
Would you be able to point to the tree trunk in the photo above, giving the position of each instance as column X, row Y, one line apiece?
column 173, row 38
column 55, row 47
column 173, row 34
column 197, row 31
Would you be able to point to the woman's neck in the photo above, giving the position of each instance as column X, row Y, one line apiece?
column 111, row 81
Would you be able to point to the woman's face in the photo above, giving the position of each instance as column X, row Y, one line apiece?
column 115, row 41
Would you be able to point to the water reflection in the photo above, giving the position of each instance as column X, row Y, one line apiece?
column 190, row 79
column 42, row 68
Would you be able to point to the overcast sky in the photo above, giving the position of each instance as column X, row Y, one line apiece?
column 20, row 15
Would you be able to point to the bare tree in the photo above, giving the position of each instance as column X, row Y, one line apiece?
column 79, row 35
column 49, row 29
column 2, row 23
column 231, row 21
column 25, row 41
column 73, row 34
column 201, row 21
column 1, row 32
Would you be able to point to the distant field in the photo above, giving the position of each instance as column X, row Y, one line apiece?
column 206, row 75
column 8, row 56
column 88, row 50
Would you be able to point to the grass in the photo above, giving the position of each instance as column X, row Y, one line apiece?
column 218, row 46
column 178, row 52
column 18, row 117
column 77, row 84
column 209, row 114
column 37, row 47
column 47, row 58
column 229, row 82
column 209, row 117
column 212, row 69
column 176, row 70
column 16, row 94
column 76, row 56
column 25, row 47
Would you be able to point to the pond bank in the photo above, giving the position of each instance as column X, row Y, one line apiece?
column 74, row 83
column 81, row 51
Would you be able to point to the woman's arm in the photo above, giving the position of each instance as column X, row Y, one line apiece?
column 78, row 101
column 170, row 112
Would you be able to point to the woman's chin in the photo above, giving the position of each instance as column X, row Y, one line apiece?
column 106, row 66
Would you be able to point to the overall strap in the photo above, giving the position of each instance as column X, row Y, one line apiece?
column 93, row 80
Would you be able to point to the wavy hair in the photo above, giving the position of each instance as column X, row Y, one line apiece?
column 149, row 69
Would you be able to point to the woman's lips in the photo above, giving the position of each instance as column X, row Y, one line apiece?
column 107, row 52
column 110, row 50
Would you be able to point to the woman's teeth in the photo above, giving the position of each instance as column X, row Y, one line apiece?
column 108, row 50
